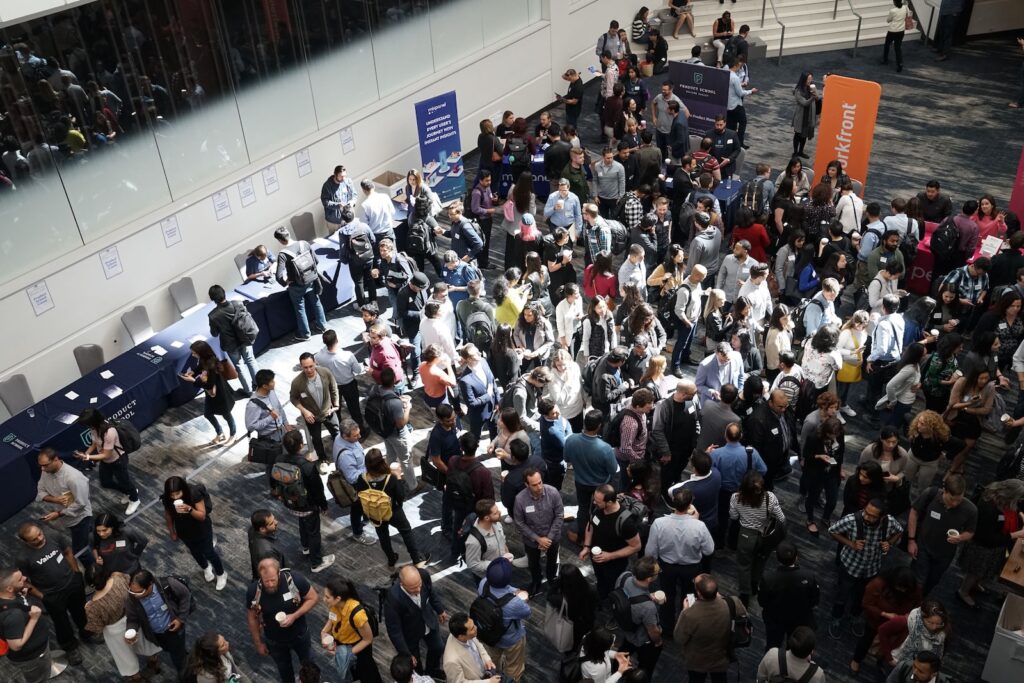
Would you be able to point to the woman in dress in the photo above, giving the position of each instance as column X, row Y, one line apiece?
column 599, row 333
column 187, row 515
column 347, row 634
column 714, row 320
column 211, row 661
column 380, row 477
column 105, row 448
column 779, row 339
column 819, row 213
column 437, row 375
column 564, row 389
column 970, row 403
column 901, row 390
column 1005, row 320
column 1000, row 524
column 851, row 347
column 642, row 320
column 823, row 464
column 805, row 118
column 523, row 201
column 505, row 362
column 476, row 386
column 941, row 371
column 533, row 337
column 750, row 507
column 115, row 547
column 219, row 398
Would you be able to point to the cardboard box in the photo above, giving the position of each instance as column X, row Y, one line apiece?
column 390, row 182
column 1006, row 655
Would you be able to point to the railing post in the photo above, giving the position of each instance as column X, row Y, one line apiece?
column 782, row 38
column 763, row 4
column 856, row 42
column 835, row 9
column 931, row 17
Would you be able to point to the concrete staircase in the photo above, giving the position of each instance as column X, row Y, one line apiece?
column 809, row 25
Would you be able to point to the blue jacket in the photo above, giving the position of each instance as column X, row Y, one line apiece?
column 731, row 461
column 592, row 459
column 708, row 376
column 475, row 394
column 552, row 439
column 459, row 277
column 466, row 241
column 515, row 612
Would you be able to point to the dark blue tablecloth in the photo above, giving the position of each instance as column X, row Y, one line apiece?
column 729, row 199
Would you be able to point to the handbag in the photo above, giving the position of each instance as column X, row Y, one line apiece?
column 509, row 211
column 343, row 492
column 908, row 22
column 773, row 532
column 558, row 628
column 263, row 451
column 850, row 373
column 227, row 369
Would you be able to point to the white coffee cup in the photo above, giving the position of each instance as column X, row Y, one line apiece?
column 179, row 504
column 658, row 597
column 595, row 551
column 1006, row 417
column 130, row 634
column 934, row 333
column 280, row 616
column 396, row 468
column 953, row 533
column 326, row 641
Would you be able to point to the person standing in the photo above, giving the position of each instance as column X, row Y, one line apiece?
column 337, row 194
column 484, row 539
column 704, row 631
column 203, row 370
column 594, row 465
column 388, row 415
column 414, row 615
column 314, row 391
column 687, row 311
column 187, row 509
column 52, row 571
column 680, row 542
column 68, row 489
column 788, row 596
column 263, row 540
column 509, row 653
column 380, row 479
column 106, row 449
column 1019, row 104
column 378, row 212
column 277, row 605
column 343, row 364
column 662, row 119
column 465, row 659
column 752, row 508
column 736, row 115
column 615, row 532
column 792, row 661
column 234, row 327
column 481, row 209
column 643, row 634
column 348, row 633
column 298, row 273
column 805, row 118
column 211, row 661
column 538, row 519
column 349, row 459
column 297, row 484
column 896, row 29
column 26, row 629
column 573, row 98
column 949, row 14
column 157, row 610
column 265, row 415
column 940, row 520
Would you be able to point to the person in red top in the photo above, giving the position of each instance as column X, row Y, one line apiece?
column 746, row 229
column 891, row 594
column 384, row 353
column 599, row 278
column 707, row 163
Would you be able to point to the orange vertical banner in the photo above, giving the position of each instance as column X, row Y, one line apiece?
column 846, row 127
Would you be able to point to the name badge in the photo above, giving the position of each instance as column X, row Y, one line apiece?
column 1001, row 518
column 775, row 431
column 1003, row 326
column 883, row 259
column 690, row 410
column 304, row 395
column 120, row 544
column 791, row 257
column 937, row 316
column 749, row 411
column 568, row 213
column 332, row 616
column 163, row 608
column 60, row 558
column 935, row 514
column 287, row 596
column 596, row 520
column 530, row 508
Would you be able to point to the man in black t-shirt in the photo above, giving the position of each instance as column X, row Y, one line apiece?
column 573, row 98
column 25, row 627
column 289, row 594
column 50, row 565
column 612, row 535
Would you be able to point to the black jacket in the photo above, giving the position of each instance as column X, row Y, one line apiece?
column 556, row 157
column 725, row 145
column 410, row 310
column 261, row 547
column 222, row 325
column 675, row 433
column 758, row 432
column 788, row 595
column 406, row 622
column 174, row 593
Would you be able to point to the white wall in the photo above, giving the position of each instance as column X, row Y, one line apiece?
column 88, row 306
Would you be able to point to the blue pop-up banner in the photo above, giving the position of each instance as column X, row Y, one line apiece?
column 437, row 123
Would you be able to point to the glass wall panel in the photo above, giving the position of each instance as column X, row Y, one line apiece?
column 401, row 43
column 456, row 30
column 503, row 18
column 341, row 68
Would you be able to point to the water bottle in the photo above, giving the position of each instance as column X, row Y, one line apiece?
column 728, row 183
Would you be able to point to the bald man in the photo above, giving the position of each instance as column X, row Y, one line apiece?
column 675, row 431
column 413, row 615
column 771, row 427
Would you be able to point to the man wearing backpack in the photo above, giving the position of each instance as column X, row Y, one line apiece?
column 615, row 533
column 413, row 614
column 610, row 386
column 233, row 325
column 484, row 539
column 387, row 413
column 359, row 244
column 467, row 482
column 349, row 460
column 280, row 591
column 631, row 432
column 637, row 613
column 503, row 637
column 704, row 630
column 158, row 610
column 297, row 272
column 792, row 664
column 298, row 485
column 597, row 236
column 788, row 596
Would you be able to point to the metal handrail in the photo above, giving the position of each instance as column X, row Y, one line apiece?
column 782, row 36
column 860, row 20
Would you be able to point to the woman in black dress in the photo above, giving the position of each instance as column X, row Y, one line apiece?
column 187, row 509
column 506, row 364
column 204, row 372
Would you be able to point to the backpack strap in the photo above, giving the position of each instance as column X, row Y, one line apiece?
column 480, row 538
column 809, row 673
column 783, row 665
column 352, row 619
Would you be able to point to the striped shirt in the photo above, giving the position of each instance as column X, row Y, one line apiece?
column 755, row 517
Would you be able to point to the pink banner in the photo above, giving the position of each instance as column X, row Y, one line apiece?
column 1017, row 196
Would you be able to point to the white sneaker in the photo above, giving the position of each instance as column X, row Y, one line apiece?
column 324, row 564
column 507, row 519
column 305, row 551
column 208, row 573
column 222, row 581
column 364, row 538
column 133, row 505
column 520, row 562
column 841, row 419
column 848, row 411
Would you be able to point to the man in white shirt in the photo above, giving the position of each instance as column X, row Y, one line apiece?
column 345, row 367
column 849, row 208
column 755, row 289
column 378, row 211
column 633, row 270
column 884, row 283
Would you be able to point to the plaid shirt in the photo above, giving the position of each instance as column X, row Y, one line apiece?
column 868, row 562
column 599, row 237
column 634, row 210
column 968, row 287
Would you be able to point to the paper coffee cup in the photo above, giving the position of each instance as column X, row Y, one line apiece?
column 952, row 533
column 179, row 503
column 595, row 551
column 934, row 333
column 326, row 641
column 280, row 616
column 130, row 634
column 1006, row 417
column 396, row 468
column 658, row 597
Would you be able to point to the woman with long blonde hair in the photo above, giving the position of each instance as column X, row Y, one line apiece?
column 655, row 379
column 714, row 320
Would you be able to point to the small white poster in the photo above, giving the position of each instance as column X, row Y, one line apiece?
column 172, row 233
column 221, row 205
column 110, row 259
column 270, row 184
column 39, row 296
column 304, row 163
column 246, row 192
column 348, row 140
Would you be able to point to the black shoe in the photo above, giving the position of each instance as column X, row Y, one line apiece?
column 422, row 562
column 899, row 68
column 745, row 146
column 242, row 393
column 74, row 657
column 884, row 62
column 802, row 155
column 677, row 371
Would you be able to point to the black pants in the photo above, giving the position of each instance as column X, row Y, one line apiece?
column 510, row 251
column 945, row 31
column 365, row 286
column 896, row 40
column 401, row 523
column 115, row 475
column 355, row 517
column 435, row 650
column 175, row 645
column 204, row 553
column 309, row 536
column 316, row 429
column 483, row 259
column 701, row 676
column 350, row 393
column 606, row 573
column 777, row 631
column 65, row 606
column 736, row 119
column 551, row 564
column 799, row 142
column 81, row 541
column 435, row 260
column 723, row 516
column 281, row 653
column 555, row 475
column 676, row 581
column 849, row 591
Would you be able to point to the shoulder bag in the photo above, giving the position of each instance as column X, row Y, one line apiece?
column 773, row 531
column 558, row 628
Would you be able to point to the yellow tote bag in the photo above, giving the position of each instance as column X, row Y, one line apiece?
column 850, row 373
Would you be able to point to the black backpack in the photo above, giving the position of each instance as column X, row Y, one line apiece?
column 480, row 329
column 620, row 208
column 165, row 586
column 487, row 614
column 588, row 374
column 371, row 618
column 740, row 629
column 127, row 435
column 783, row 675
column 729, row 53
column 517, row 151
column 620, row 237
column 245, row 328
column 459, row 486
column 754, row 197
column 613, row 432
column 622, row 604
column 302, row 265
column 377, row 415
column 945, row 242
column 360, row 248
column 418, row 242
column 799, row 324
column 667, row 308
column 467, row 529
column 908, row 245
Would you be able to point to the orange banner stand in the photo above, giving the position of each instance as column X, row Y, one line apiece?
column 846, row 127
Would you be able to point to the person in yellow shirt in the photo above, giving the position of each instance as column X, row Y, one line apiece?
column 348, row 633
column 510, row 297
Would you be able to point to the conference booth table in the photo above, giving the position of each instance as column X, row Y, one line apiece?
column 139, row 384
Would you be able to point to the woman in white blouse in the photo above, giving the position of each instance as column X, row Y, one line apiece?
column 821, row 360
column 779, row 339
column 597, row 657
column 564, row 389
column 568, row 314
column 896, row 28
column 901, row 390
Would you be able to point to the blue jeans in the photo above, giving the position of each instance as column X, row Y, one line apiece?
column 344, row 661
column 81, row 541
column 238, row 356
column 301, row 295
column 684, row 339
column 210, row 415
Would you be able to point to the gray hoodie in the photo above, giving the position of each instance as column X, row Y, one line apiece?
column 705, row 248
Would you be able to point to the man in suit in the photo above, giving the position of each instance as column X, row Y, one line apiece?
column 788, row 596
column 725, row 366
column 715, row 416
column 465, row 659
column 772, row 429
column 478, row 393
column 314, row 392
column 413, row 614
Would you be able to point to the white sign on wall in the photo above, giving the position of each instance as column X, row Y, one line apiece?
column 246, row 192
column 270, row 183
column 221, row 205
column 171, row 231
column 110, row 259
column 303, row 162
column 348, row 140
column 39, row 297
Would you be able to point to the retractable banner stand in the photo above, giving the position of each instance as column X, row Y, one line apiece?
column 437, row 124
column 1017, row 195
column 703, row 89
column 846, row 127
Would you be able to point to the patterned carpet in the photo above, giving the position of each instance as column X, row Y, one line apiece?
column 947, row 121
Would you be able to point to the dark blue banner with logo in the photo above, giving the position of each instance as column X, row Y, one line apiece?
column 437, row 124
column 703, row 89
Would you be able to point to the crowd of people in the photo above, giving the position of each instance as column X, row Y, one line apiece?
column 587, row 383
